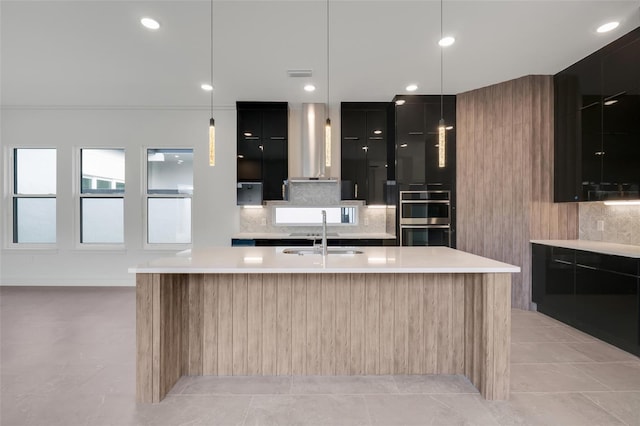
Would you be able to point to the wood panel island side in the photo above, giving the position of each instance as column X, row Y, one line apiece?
column 259, row 311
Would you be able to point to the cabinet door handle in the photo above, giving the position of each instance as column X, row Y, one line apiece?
column 416, row 133
column 564, row 262
column 356, row 190
column 586, row 266
column 283, row 191
column 351, row 138
column 277, row 138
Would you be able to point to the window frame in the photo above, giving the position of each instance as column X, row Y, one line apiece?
column 12, row 196
column 79, row 196
column 146, row 196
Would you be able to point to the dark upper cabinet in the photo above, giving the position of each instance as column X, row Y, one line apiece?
column 262, row 145
column 419, row 158
column 364, row 151
column 597, row 122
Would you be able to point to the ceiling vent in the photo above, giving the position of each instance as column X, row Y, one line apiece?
column 299, row 73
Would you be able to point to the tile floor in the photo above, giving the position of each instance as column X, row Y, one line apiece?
column 67, row 358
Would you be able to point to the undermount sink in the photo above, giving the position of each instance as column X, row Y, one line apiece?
column 330, row 250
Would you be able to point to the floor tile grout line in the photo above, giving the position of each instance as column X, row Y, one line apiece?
column 605, row 410
column 592, row 377
column 246, row 414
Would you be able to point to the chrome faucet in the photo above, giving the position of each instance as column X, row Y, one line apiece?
column 324, row 233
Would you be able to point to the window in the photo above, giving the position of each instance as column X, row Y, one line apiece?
column 102, row 196
column 34, row 195
column 169, row 190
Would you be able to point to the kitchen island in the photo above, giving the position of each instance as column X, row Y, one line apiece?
column 384, row 310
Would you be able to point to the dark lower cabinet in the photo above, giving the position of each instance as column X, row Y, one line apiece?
column 297, row 242
column 593, row 292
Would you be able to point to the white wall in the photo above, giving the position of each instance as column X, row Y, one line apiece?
column 214, row 210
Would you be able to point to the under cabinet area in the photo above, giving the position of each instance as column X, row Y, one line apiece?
column 594, row 292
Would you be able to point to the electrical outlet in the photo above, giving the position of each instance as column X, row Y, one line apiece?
column 263, row 221
column 600, row 225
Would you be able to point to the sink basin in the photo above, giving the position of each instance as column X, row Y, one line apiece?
column 330, row 250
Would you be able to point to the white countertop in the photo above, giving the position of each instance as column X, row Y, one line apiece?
column 288, row 236
column 594, row 246
column 229, row 260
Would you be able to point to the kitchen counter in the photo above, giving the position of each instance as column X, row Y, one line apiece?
column 259, row 311
column 373, row 260
column 615, row 249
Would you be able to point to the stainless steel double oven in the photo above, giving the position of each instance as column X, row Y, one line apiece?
column 425, row 218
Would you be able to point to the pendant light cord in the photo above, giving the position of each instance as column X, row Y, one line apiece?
column 211, row 54
column 327, row 58
column 441, row 68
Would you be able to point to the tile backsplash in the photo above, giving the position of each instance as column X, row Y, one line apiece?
column 618, row 224
column 327, row 193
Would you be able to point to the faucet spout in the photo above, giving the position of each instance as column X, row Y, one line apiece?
column 324, row 232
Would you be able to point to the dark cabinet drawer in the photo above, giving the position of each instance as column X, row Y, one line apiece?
column 596, row 293
column 611, row 263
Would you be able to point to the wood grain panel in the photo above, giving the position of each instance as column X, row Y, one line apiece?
column 144, row 340
column 372, row 324
column 328, row 325
column 314, row 320
column 322, row 324
column 283, row 326
column 225, row 325
column 254, row 325
column 401, row 324
column 430, row 317
column 299, row 324
column 505, row 175
column 194, row 314
column 210, row 325
column 343, row 324
column 357, row 319
column 415, row 335
column 239, row 326
column 387, row 303
column 269, row 323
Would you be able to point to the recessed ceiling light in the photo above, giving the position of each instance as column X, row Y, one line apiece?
column 400, row 102
column 248, row 134
column 403, row 145
column 206, row 86
column 610, row 102
column 377, row 132
column 152, row 24
column 449, row 128
column 309, row 88
column 412, row 88
column 446, row 41
column 608, row 27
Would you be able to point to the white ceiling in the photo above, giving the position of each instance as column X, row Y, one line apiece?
column 95, row 53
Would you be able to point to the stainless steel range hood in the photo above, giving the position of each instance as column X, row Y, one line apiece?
column 312, row 142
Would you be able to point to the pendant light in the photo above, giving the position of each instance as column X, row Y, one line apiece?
column 212, row 123
column 442, row 159
column 327, row 126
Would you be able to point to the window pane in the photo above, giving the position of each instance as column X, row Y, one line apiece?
column 102, row 171
column 169, row 220
column 170, row 171
column 34, row 220
column 35, row 171
column 102, row 220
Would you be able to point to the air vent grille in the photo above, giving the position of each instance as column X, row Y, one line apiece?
column 299, row 73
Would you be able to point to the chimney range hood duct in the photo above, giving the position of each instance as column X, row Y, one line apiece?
column 313, row 149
